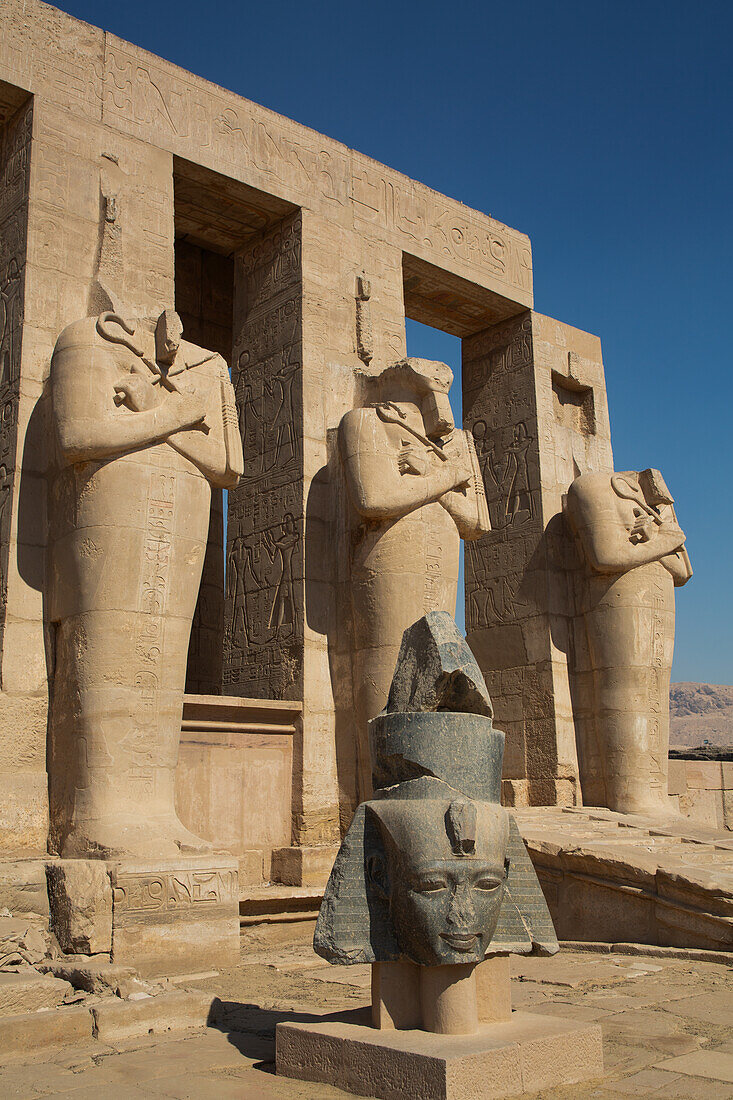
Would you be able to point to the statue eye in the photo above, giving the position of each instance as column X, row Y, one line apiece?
column 430, row 886
column 487, row 884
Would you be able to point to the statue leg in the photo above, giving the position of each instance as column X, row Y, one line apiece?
column 631, row 636
column 120, row 676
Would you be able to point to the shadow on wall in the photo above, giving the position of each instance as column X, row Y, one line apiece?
column 32, row 535
column 328, row 609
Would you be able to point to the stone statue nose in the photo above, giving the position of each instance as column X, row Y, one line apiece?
column 461, row 911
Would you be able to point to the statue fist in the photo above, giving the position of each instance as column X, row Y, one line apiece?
column 188, row 410
column 135, row 391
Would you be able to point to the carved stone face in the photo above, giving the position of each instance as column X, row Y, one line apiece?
column 168, row 334
column 444, row 905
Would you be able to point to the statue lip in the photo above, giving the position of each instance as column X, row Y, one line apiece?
column 460, row 941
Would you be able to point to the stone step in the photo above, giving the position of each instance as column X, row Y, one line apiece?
column 28, row 991
column 612, row 877
column 279, row 903
column 24, row 1036
column 116, row 1020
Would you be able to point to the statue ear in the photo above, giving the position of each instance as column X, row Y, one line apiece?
column 378, row 874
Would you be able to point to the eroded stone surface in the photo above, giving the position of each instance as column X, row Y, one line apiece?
column 436, row 670
column 81, row 905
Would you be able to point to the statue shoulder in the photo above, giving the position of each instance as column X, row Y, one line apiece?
column 353, row 424
column 77, row 334
column 588, row 490
column 211, row 360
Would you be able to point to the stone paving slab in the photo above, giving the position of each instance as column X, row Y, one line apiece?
column 667, row 1025
column 712, row 1064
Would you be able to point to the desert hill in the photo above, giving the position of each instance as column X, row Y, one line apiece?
column 701, row 712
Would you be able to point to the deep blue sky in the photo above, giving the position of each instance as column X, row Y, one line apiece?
column 600, row 129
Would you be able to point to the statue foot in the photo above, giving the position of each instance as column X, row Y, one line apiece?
column 187, row 841
column 126, row 838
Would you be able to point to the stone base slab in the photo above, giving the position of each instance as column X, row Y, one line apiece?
column 623, row 877
column 524, row 1054
column 23, row 887
column 175, row 916
column 303, row 866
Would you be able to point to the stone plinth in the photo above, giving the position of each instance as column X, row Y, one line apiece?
column 523, row 1054
column 234, row 780
column 173, row 916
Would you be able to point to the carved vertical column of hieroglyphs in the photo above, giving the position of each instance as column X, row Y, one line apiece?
column 263, row 649
column 22, row 772
column 501, row 570
column 534, row 398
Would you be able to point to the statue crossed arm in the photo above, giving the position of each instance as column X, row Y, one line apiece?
column 618, row 528
column 95, row 394
column 386, row 481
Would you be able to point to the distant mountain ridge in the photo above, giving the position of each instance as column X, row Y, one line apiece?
column 699, row 713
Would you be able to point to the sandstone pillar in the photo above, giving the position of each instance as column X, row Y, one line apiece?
column 535, row 400
column 301, row 336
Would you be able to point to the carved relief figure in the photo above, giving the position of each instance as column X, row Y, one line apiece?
column 518, row 496
column 9, row 322
column 237, row 563
column 283, row 606
column 145, row 425
column 635, row 554
column 416, row 489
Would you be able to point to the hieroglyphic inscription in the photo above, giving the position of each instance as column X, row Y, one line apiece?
column 499, row 411
column 263, row 652
column 53, row 55
column 428, row 222
column 156, row 100
column 159, row 892
column 143, row 742
column 177, row 110
column 15, row 148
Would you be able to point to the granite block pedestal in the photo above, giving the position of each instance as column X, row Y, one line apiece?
column 521, row 1055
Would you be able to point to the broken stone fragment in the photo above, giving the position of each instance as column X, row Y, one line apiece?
column 90, row 973
column 436, row 670
column 80, row 896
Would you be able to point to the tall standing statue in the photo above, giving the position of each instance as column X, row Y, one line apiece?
column 416, row 489
column 145, row 425
column 635, row 554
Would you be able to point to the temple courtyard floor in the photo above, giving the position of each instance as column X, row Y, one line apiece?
column 667, row 1026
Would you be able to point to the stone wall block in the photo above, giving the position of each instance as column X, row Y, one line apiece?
column 80, row 896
